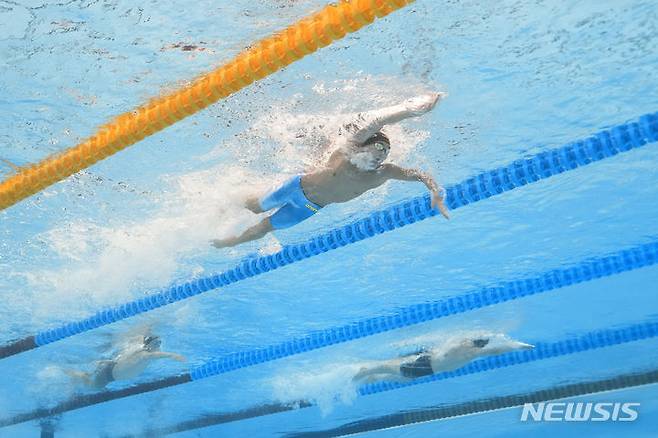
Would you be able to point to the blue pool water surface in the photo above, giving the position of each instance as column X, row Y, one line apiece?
column 522, row 76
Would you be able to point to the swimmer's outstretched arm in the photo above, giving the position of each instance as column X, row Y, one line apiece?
column 391, row 171
column 368, row 123
column 166, row 355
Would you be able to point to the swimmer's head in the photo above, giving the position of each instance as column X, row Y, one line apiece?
column 496, row 343
column 152, row 343
column 372, row 153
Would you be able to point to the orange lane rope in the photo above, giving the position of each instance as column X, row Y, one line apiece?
column 262, row 59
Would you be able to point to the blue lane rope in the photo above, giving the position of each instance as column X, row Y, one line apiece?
column 589, row 341
column 602, row 145
column 621, row 261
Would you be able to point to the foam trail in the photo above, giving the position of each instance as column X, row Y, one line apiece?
column 324, row 387
column 106, row 263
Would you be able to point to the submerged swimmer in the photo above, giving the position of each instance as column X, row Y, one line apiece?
column 128, row 363
column 448, row 357
column 354, row 168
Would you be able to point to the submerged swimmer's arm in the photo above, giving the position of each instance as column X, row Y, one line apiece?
column 391, row 171
column 368, row 123
column 166, row 355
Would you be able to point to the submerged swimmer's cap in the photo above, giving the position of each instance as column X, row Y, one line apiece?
column 480, row 342
column 152, row 342
column 378, row 137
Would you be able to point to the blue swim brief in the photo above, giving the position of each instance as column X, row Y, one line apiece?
column 293, row 206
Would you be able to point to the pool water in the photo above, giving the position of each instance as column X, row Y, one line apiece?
column 522, row 78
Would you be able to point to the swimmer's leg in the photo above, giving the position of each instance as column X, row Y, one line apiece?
column 368, row 374
column 252, row 204
column 375, row 378
column 79, row 376
column 275, row 198
column 254, row 233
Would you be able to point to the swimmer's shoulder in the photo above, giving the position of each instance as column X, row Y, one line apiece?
column 338, row 157
column 136, row 355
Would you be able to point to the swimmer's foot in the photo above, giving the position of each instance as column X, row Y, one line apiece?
column 361, row 374
column 79, row 376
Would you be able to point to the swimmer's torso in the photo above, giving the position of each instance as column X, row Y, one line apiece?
column 452, row 358
column 339, row 181
column 129, row 365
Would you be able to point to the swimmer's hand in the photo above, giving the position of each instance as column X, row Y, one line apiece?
column 438, row 203
column 167, row 355
column 419, row 105
column 392, row 171
column 178, row 357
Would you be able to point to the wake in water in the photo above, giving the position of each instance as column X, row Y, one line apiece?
column 106, row 263
column 325, row 387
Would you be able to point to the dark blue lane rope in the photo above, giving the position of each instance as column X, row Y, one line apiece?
column 441, row 412
column 405, row 418
column 602, row 145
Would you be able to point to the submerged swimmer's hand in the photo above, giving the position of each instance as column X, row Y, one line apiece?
column 178, row 357
column 421, row 104
column 438, row 203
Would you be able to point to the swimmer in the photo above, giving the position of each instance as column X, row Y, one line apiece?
column 354, row 168
column 128, row 363
column 447, row 357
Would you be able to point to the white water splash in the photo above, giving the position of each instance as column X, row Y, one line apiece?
column 105, row 263
column 329, row 385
